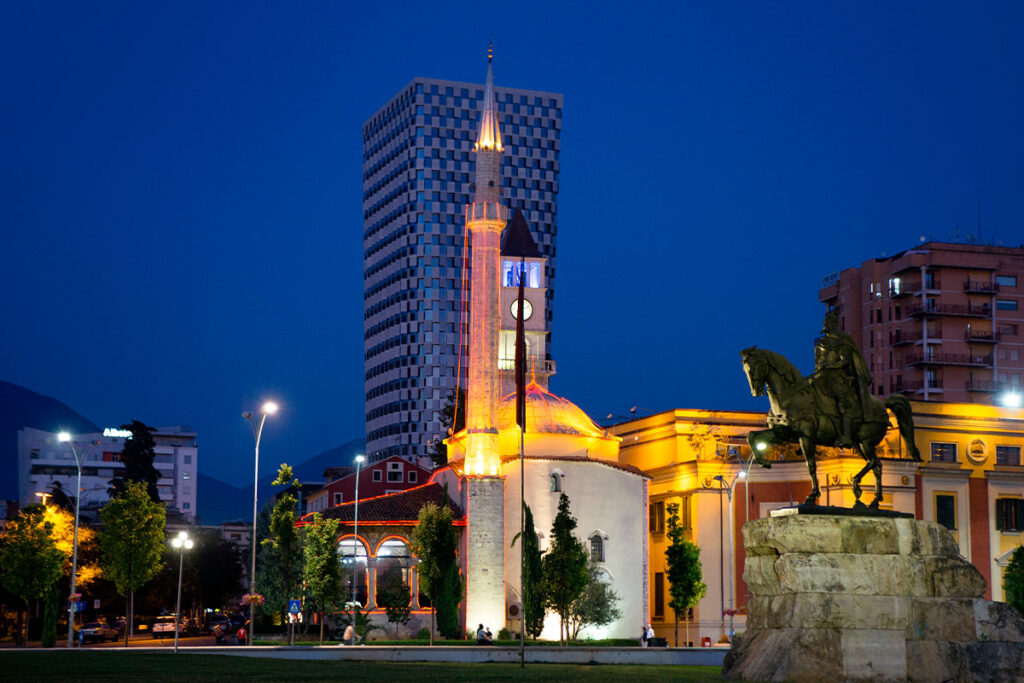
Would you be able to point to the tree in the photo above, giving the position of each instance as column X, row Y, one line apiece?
column 393, row 596
column 597, row 605
column 137, row 456
column 434, row 543
column 282, row 563
column 132, row 542
column 453, row 419
column 30, row 562
column 322, row 571
column 1013, row 580
column 533, row 579
column 564, row 566
column 685, row 576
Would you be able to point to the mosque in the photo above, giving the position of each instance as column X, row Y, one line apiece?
column 565, row 451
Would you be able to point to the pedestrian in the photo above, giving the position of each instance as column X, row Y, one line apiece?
column 347, row 636
column 650, row 635
column 643, row 636
column 482, row 636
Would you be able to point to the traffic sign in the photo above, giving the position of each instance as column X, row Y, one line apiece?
column 294, row 606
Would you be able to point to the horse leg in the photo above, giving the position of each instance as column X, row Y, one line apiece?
column 857, row 505
column 876, row 467
column 807, row 446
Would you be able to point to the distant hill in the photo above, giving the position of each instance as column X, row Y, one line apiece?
column 220, row 502
column 21, row 407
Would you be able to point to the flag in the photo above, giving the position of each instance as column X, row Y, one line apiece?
column 520, row 366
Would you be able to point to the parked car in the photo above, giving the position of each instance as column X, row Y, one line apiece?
column 215, row 619
column 97, row 631
column 164, row 627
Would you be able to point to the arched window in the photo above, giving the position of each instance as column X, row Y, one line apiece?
column 596, row 548
column 352, row 555
column 556, row 482
column 393, row 561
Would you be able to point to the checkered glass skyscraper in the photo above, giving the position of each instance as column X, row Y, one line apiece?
column 418, row 166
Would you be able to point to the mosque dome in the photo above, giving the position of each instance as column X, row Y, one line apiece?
column 547, row 413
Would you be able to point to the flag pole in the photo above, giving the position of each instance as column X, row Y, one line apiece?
column 520, row 370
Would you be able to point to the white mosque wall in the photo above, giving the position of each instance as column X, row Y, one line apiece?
column 606, row 501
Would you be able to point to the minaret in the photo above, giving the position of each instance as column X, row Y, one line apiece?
column 485, row 218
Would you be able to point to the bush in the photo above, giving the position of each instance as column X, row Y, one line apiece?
column 423, row 634
column 503, row 634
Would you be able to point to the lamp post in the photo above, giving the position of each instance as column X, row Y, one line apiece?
column 269, row 408
column 65, row 437
column 728, row 489
column 182, row 543
column 355, row 547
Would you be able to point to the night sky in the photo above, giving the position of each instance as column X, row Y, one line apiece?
column 180, row 189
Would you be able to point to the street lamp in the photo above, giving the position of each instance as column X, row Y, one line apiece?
column 1010, row 399
column 65, row 437
column 355, row 551
column 269, row 408
column 182, row 543
column 722, row 486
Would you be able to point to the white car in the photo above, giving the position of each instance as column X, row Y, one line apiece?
column 163, row 627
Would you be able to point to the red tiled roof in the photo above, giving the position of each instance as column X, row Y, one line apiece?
column 401, row 508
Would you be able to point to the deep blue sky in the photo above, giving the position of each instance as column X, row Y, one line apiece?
column 180, row 188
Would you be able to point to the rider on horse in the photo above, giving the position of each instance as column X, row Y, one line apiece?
column 842, row 375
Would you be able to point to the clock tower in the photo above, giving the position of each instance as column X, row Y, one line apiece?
column 520, row 258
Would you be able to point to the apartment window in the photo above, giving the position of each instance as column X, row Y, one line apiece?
column 186, row 475
column 338, row 497
column 929, row 280
column 1006, row 280
column 378, row 476
column 943, row 452
column 596, row 548
column 657, row 517
column 187, row 459
column 1006, row 304
column 412, row 477
column 659, row 595
column 186, row 505
column 1008, row 455
column 945, row 510
column 1009, row 513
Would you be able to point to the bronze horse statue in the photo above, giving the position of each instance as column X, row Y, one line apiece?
column 802, row 413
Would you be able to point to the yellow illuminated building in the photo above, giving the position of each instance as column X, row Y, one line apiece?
column 971, row 480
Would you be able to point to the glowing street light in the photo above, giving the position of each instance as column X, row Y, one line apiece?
column 728, row 488
column 65, row 437
column 269, row 408
column 355, row 551
column 1010, row 399
column 181, row 543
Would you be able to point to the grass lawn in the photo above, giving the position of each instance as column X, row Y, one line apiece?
column 110, row 666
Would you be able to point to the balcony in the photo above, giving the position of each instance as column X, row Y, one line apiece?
column 980, row 287
column 541, row 367
column 913, row 386
column 905, row 289
column 984, row 385
column 981, row 336
column 966, row 359
column 961, row 310
column 902, row 337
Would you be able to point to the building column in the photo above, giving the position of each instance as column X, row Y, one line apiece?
column 414, row 588
column 371, row 583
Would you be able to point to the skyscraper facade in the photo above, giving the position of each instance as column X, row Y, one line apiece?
column 418, row 170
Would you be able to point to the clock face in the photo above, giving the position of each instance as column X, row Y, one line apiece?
column 527, row 309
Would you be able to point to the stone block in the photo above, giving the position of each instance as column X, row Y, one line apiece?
column 953, row 577
column 998, row 621
column 943, row 619
column 873, row 655
column 929, row 661
column 924, row 538
column 850, row 573
column 791, row 654
column 759, row 575
column 994, row 661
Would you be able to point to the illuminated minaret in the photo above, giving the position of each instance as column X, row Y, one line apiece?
column 485, row 218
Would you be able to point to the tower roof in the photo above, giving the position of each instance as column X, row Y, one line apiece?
column 489, row 135
column 517, row 239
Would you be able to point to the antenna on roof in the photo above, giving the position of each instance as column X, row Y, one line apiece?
column 979, row 216
column 490, row 51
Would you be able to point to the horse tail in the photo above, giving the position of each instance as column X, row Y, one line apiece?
column 900, row 407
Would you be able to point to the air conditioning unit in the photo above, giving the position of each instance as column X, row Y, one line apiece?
column 513, row 611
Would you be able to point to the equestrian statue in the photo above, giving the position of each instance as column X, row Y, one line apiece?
column 832, row 407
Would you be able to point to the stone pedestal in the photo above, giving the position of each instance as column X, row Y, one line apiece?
column 868, row 599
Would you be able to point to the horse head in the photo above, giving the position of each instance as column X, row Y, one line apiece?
column 756, row 370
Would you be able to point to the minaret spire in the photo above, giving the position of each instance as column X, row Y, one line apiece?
column 489, row 135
